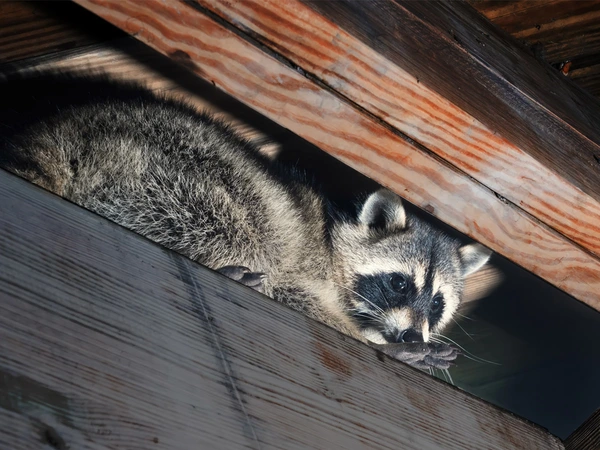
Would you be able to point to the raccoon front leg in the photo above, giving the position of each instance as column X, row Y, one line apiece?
column 422, row 355
column 245, row 276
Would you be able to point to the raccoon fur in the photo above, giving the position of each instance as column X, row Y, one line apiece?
column 188, row 182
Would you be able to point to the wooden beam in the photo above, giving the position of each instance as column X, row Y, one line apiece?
column 587, row 436
column 483, row 71
column 286, row 95
column 370, row 73
column 129, row 59
column 29, row 29
column 108, row 340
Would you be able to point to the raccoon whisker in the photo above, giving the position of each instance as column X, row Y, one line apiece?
column 361, row 296
column 450, row 380
column 468, row 354
column 373, row 320
column 473, row 357
column 460, row 326
column 383, row 295
column 441, row 375
column 438, row 375
column 464, row 317
column 481, row 360
column 372, row 317
column 364, row 312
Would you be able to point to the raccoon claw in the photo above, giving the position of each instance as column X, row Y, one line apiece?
column 440, row 356
column 408, row 352
column 422, row 355
column 245, row 276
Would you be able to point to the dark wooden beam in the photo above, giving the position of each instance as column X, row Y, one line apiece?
column 29, row 29
column 456, row 52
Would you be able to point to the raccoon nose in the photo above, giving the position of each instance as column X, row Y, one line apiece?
column 411, row 335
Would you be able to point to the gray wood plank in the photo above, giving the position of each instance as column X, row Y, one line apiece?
column 587, row 436
column 109, row 341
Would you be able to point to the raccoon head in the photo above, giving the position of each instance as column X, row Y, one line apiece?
column 403, row 278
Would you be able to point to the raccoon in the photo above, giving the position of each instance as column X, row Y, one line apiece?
column 188, row 182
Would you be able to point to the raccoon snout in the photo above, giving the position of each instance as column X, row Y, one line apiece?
column 396, row 336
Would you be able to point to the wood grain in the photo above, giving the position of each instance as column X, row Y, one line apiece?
column 587, row 436
column 109, row 341
column 557, row 30
column 374, row 82
column 29, row 29
column 486, row 73
column 127, row 59
column 287, row 97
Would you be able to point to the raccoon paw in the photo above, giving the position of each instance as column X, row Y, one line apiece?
column 440, row 356
column 245, row 276
column 422, row 355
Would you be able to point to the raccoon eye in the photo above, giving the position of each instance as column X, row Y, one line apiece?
column 437, row 304
column 398, row 283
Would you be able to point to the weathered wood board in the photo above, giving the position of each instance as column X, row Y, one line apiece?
column 564, row 33
column 29, row 29
column 109, row 341
column 587, row 436
column 130, row 60
column 480, row 69
column 287, row 96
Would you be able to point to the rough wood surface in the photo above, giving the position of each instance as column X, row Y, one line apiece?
column 559, row 31
column 30, row 29
column 587, row 436
column 370, row 79
column 288, row 97
column 109, row 341
column 483, row 71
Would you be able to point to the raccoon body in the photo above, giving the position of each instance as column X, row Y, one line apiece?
column 188, row 182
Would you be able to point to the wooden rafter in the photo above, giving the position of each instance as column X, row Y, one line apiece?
column 503, row 194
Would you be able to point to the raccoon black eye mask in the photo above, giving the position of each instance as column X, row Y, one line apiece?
column 188, row 182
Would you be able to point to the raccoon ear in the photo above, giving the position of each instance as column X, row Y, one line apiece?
column 383, row 210
column 473, row 257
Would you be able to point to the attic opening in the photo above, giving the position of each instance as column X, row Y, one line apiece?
column 525, row 345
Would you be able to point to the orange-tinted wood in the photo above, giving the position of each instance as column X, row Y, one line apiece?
column 287, row 96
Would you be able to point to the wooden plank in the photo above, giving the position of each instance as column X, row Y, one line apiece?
column 587, row 436
column 588, row 77
column 129, row 60
column 374, row 82
column 480, row 69
column 30, row 29
column 109, row 341
column 289, row 98
column 558, row 31
column 566, row 30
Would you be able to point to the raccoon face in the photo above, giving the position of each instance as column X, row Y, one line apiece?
column 405, row 278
